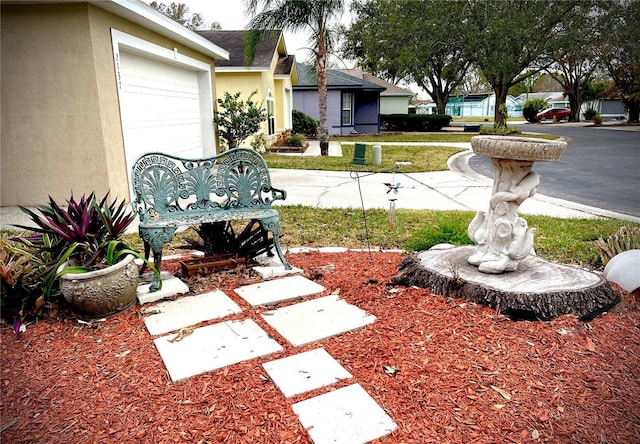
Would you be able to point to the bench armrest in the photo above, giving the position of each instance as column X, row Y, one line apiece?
column 278, row 194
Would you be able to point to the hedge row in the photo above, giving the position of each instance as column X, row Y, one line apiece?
column 413, row 122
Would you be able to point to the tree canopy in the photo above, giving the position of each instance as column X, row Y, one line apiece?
column 514, row 39
column 621, row 53
column 441, row 45
column 180, row 13
column 398, row 39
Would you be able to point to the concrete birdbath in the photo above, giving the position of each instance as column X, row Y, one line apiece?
column 503, row 238
column 502, row 270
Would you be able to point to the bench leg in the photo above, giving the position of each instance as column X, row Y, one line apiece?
column 147, row 249
column 272, row 224
column 154, row 239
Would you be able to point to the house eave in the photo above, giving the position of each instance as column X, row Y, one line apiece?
column 144, row 15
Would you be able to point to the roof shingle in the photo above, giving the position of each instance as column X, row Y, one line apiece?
column 234, row 42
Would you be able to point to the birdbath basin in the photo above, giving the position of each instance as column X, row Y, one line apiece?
column 518, row 148
column 503, row 238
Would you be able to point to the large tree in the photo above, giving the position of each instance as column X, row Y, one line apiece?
column 180, row 13
column 313, row 16
column 420, row 41
column 513, row 40
column 621, row 53
column 575, row 59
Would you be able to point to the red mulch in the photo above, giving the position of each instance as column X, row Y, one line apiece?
column 445, row 370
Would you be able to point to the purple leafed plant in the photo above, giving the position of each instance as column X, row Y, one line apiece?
column 90, row 223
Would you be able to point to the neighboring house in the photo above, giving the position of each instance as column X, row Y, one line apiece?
column 353, row 104
column 424, row 107
column 607, row 108
column 555, row 99
column 272, row 72
column 88, row 86
column 479, row 105
column 393, row 100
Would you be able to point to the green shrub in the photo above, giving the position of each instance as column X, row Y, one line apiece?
column 296, row 140
column 259, row 142
column 304, row 124
column 414, row 122
column 626, row 238
column 590, row 114
column 500, row 131
column 19, row 276
column 286, row 138
column 238, row 119
column 532, row 107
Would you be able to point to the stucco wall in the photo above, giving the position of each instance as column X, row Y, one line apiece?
column 307, row 102
column 394, row 105
column 51, row 140
column 281, row 109
column 61, row 127
column 263, row 81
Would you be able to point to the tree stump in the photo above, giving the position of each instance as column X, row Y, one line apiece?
column 538, row 289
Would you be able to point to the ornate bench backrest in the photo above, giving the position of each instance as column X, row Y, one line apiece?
column 168, row 186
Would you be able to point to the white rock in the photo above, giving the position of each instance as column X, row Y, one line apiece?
column 624, row 270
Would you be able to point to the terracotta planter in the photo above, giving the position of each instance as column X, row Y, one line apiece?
column 210, row 263
column 102, row 292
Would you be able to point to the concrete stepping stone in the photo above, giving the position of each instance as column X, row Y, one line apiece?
column 317, row 319
column 214, row 346
column 278, row 290
column 344, row 416
column 171, row 286
column 188, row 310
column 271, row 267
column 272, row 272
column 305, row 372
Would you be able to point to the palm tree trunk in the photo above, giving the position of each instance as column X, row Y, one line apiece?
column 323, row 125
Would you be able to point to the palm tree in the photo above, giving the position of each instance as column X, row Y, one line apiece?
column 295, row 16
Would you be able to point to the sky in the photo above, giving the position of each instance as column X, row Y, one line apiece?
column 231, row 16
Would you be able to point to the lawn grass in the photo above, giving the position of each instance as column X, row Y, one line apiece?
column 569, row 241
column 407, row 137
column 422, row 158
column 425, row 158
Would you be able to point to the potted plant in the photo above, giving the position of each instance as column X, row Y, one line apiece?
column 91, row 266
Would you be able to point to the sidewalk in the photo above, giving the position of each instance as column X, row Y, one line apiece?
column 460, row 188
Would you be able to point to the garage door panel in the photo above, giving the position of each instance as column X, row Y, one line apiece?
column 161, row 108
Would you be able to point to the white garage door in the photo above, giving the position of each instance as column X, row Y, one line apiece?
column 161, row 108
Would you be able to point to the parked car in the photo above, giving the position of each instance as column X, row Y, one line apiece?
column 550, row 113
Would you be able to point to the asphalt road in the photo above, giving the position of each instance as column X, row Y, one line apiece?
column 600, row 167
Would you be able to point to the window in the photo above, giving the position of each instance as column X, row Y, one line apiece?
column 347, row 99
column 271, row 118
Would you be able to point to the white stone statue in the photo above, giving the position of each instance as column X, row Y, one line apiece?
column 503, row 238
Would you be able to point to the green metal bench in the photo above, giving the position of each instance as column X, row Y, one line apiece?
column 171, row 192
